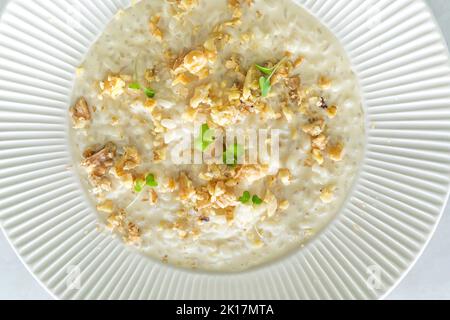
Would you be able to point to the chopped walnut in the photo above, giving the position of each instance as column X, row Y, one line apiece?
column 216, row 172
column 153, row 197
column 288, row 113
column 318, row 156
column 154, row 29
column 331, row 112
column 285, row 176
column 224, row 116
column 171, row 185
column 130, row 159
column 250, row 83
column 233, row 63
column 107, row 206
column 235, row 7
column 98, row 163
column 314, row 129
column 183, row 79
column 114, row 86
column 119, row 222
column 327, row 194
column 160, row 154
column 284, row 205
column 320, row 142
column 150, row 75
column 294, row 86
column 298, row 62
column 195, row 61
column 201, row 96
column 187, row 190
column 116, row 220
column 81, row 115
column 272, row 203
column 133, row 233
column 336, row 152
column 252, row 173
column 221, row 195
column 150, row 104
column 282, row 73
column 324, row 83
column 183, row 7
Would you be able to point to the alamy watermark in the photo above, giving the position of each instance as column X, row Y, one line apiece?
column 73, row 278
column 374, row 280
column 231, row 147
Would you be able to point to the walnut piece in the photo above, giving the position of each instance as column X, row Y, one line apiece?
column 81, row 115
column 187, row 190
column 336, row 152
column 99, row 162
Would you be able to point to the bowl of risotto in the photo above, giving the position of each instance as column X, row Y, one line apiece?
column 199, row 149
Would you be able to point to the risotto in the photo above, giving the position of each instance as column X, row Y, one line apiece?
column 175, row 79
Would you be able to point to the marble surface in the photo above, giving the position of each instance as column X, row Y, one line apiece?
column 429, row 278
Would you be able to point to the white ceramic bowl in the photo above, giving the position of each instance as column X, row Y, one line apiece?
column 402, row 63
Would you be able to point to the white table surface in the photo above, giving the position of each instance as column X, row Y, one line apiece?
column 429, row 278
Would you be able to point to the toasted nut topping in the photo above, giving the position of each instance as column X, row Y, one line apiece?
column 336, row 152
column 298, row 62
column 153, row 197
column 314, row 129
column 288, row 113
column 195, row 61
column 154, row 29
column 320, row 142
column 285, row 176
column 318, row 156
column 81, row 115
column 332, row 111
column 107, row 206
column 324, row 83
column 186, row 187
column 201, row 95
column 114, row 86
column 272, row 203
column 99, row 162
column 284, row 205
column 327, row 194
column 183, row 79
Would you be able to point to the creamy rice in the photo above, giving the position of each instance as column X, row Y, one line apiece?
column 320, row 119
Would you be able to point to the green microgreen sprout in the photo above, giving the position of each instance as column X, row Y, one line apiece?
column 257, row 200
column 135, row 85
column 245, row 197
column 205, row 139
column 151, row 181
column 265, row 81
column 231, row 156
column 149, row 92
column 139, row 185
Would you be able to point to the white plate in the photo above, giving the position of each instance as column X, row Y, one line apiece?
column 402, row 63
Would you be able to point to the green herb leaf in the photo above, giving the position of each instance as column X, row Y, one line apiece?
column 150, row 181
column 257, row 200
column 264, row 84
column 231, row 156
column 245, row 197
column 267, row 71
column 138, row 185
column 149, row 92
column 135, row 86
column 205, row 139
